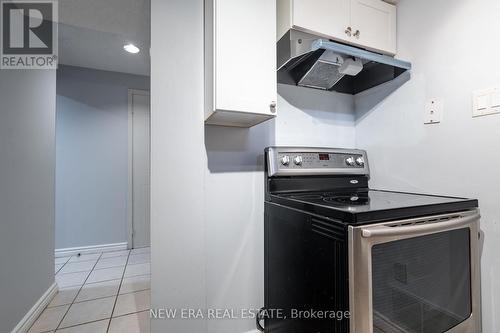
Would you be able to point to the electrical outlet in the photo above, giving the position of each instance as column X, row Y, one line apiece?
column 433, row 111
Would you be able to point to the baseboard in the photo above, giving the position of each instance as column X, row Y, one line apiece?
column 71, row 251
column 29, row 319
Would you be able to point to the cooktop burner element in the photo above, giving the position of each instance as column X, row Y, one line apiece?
column 361, row 198
column 353, row 199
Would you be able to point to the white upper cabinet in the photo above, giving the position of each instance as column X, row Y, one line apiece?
column 370, row 24
column 328, row 17
column 240, row 62
column 374, row 24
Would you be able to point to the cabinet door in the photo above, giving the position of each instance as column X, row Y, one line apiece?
column 375, row 21
column 329, row 18
column 245, row 56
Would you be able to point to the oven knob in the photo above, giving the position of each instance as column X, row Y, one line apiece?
column 360, row 161
column 350, row 161
column 285, row 160
column 297, row 160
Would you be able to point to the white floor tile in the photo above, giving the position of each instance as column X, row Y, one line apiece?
column 71, row 279
column 139, row 269
column 123, row 253
column 111, row 262
column 85, row 257
column 140, row 258
column 135, row 283
column 73, row 267
column 98, row 290
column 95, row 327
column 131, row 303
column 64, row 296
column 61, row 260
column 94, row 301
column 140, row 250
column 134, row 323
column 106, row 274
column 80, row 313
column 49, row 319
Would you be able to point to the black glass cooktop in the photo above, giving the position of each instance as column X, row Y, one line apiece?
column 373, row 205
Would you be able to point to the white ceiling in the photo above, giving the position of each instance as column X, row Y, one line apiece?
column 92, row 34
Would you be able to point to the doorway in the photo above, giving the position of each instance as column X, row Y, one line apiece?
column 139, row 168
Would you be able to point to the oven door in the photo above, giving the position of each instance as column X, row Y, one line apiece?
column 414, row 276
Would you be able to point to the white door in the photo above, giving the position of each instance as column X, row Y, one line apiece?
column 140, row 164
column 374, row 25
column 330, row 18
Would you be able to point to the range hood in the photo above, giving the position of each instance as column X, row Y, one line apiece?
column 314, row 62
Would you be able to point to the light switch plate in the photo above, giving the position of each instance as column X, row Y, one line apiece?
column 486, row 102
column 433, row 111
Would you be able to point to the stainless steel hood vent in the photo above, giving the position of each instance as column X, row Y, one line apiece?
column 311, row 61
column 324, row 73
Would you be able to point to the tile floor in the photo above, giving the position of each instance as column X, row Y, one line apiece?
column 100, row 293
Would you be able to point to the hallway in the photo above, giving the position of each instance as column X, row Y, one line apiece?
column 100, row 293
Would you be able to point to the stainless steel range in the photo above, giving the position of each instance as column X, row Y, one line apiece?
column 341, row 257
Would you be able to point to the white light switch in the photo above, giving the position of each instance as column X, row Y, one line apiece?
column 495, row 99
column 483, row 102
column 433, row 111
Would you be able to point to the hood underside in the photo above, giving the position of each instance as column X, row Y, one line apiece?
column 314, row 62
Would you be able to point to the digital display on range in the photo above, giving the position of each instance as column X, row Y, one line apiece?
column 324, row 157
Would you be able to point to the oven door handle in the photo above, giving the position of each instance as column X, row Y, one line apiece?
column 384, row 231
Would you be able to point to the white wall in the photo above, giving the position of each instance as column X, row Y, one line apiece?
column 178, row 162
column 454, row 50
column 27, row 164
column 207, row 238
column 92, row 155
column 314, row 118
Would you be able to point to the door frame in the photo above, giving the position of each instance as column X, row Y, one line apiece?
column 130, row 197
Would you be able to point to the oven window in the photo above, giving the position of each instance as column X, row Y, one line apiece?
column 422, row 284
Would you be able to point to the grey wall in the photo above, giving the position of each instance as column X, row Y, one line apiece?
column 208, row 209
column 92, row 155
column 27, row 163
column 453, row 54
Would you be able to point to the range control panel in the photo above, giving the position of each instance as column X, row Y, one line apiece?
column 314, row 161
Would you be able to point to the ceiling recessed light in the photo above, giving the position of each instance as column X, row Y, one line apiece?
column 131, row 48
